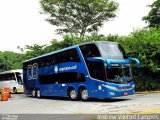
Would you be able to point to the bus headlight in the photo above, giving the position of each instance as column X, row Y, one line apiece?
column 112, row 93
column 109, row 87
column 133, row 86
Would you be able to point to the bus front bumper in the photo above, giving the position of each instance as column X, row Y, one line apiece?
column 19, row 90
column 113, row 93
column 116, row 91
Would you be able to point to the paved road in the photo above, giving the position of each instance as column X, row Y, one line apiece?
column 138, row 103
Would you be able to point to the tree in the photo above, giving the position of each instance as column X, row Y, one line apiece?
column 78, row 16
column 153, row 17
column 34, row 51
column 145, row 45
column 10, row 60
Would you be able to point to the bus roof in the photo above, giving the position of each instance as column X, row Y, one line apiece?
column 93, row 42
column 51, row 53
column 11, row 71
column 96, row 42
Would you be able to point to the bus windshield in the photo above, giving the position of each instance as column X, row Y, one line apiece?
column 120, row 74
column 112, row 50
column 19, row 77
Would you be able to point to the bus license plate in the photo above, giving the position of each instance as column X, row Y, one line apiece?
column 125, row 93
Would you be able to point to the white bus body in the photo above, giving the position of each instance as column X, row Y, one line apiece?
column 12, row 79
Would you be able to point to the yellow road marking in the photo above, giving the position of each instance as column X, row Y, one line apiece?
column 149, row 111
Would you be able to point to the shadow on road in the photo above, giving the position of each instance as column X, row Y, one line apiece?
column 109, row 100
column 90, row 100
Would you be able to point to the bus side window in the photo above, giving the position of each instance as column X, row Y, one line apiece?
column 96, row 70
column 70, row 55
column 1, row 77
column 66, row 77
column 9, row 76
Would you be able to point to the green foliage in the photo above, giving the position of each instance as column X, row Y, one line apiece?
column 10, row 60
column 145, row 45
column 153, row 17
column 34, row 51
column 78, row 16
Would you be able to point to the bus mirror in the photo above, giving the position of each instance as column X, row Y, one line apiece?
column 136, row 60
column 108, row 64
column 94, row 59
column 107, row 61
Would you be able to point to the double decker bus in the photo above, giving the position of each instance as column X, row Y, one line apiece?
column 98, row 69
column 12, row 79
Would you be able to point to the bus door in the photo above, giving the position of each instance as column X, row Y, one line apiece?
column 98, row 76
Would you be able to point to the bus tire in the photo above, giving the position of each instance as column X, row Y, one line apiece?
column 72, row 95
column 83, row 94
column 38, row 93
column 14, row 90
column 33, row 93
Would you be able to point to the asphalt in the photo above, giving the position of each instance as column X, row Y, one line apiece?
column 134, row 104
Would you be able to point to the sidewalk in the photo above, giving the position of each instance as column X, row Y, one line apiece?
column 147, row 92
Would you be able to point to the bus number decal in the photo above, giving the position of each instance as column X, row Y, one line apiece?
column 29, row 72
column 32, row 71
column 35, row 71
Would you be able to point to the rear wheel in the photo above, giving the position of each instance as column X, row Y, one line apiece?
column 38, row 93
column 72, row 94
column 84, row 94
column 33, row 93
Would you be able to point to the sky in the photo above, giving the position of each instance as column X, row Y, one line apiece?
column 22, row 24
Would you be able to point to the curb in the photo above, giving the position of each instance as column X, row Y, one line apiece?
column 147, row 92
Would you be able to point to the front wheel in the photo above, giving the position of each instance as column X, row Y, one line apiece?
column 72, row 94
column 38, row 93
column 14, row 90
column 84, row 94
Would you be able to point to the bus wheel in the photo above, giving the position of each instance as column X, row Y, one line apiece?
column 38, row 93
column 14, row 90
column 72, row 94
column 33, row 93
column 84, row 94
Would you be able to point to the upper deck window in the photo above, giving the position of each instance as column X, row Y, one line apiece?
column 90, row 50
column 112, row 50
column 70, row 55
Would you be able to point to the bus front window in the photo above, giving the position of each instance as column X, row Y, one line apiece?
column 19, row 78
column 112, row 51
column 119, row 74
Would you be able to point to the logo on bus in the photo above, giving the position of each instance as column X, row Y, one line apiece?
column 56, row 69
column 68, row 68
